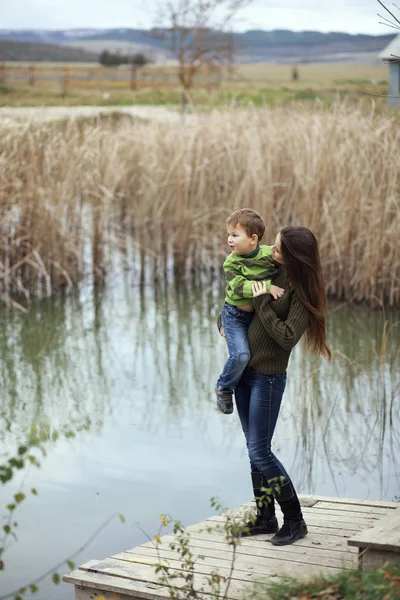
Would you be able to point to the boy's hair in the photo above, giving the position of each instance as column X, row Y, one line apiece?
column 250, row 220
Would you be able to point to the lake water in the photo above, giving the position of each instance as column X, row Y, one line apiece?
column 142, row 366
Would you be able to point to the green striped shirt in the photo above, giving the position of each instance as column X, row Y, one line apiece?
column 242, row 271
column 276, row 328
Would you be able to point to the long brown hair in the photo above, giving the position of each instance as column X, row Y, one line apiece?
column 301, row 257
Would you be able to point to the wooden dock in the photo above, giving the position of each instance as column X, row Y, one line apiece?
column 342, row 534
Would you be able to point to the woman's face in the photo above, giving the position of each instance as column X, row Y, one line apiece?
column 277, row 250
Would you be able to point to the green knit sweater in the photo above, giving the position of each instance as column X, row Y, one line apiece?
column 242, row 271
column 276, row 328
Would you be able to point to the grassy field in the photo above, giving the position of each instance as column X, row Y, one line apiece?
column 72, row 193
column 257, row 83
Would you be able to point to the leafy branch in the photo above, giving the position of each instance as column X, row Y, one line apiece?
column 27, row 456
column 53, row 571
column 233, row 528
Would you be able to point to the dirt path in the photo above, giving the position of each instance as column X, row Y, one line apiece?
column 51, row 113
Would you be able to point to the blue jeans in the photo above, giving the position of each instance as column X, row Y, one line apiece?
column 258, row 401
column 236, row 324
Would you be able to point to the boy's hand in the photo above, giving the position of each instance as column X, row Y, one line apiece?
column 259, row 288
column 276, row 292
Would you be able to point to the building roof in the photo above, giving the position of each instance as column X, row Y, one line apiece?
column 392, row 50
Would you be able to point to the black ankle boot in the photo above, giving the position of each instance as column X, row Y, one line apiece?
column 266, row 521
column 294, row 527
column 290, row 531
column 261, row 525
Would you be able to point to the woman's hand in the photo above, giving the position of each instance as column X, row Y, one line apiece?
column 259, row 288
column 222, row 332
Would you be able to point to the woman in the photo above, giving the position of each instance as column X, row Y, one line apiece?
column 276, row 328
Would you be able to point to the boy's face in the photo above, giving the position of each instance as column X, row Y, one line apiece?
column 239, row 242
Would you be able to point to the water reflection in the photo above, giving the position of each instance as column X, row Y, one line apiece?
column 52, row 365
column 347, row 413
column 76, row 357
column 141, row 364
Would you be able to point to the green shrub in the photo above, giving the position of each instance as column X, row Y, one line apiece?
column 374, row 584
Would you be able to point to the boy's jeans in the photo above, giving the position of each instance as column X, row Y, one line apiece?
column 236, row 324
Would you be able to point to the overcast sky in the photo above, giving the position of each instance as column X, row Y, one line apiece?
column 353, row 16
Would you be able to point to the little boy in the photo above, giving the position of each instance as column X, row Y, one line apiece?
column 248, row 262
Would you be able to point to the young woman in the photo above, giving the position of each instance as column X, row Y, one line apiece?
column 276, row 328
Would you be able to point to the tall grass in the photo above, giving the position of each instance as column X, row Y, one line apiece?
column 71, row 194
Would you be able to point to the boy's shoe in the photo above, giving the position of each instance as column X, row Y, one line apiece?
column 224, row 400
column 291, row 530
column 261, row 525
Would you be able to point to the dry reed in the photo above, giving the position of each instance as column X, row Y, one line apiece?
column 71, row 194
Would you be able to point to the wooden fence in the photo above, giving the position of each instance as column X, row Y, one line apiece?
column 84, row 76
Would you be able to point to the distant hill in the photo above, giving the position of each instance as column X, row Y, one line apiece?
column 37, row 52
column 305, row 46
column 252, row 46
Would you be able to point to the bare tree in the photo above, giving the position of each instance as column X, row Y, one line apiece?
column 393, row 22
column 393, row 59
column 198, row 34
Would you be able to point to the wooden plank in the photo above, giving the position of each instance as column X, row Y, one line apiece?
column 255, row 567
column 142, row 573
column 334, row 527
column 305, row 502
column 359, row 520
column 202, row 542
column 92, row 594
column 265, row 539
column 224, row 553
column 371, row 559
column 316, row 538
column 385, row 535
column 109, row 589
column 308, row 501
column 145, row 572
column 346, row 512
column 257, row 554
column 244, row 572
column 313, row 516
column 352, row 509
column 296, row 553
column 263, row 542
column 143, row 569
column 245, row 556
column 107, row 583
column 353, row 501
